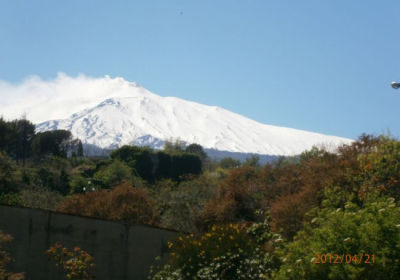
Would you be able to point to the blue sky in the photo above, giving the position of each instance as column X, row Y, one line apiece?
column 322, row 66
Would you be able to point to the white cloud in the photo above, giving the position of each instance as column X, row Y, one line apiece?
column 42, row 100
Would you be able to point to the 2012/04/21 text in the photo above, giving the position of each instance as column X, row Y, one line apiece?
column 344, row 258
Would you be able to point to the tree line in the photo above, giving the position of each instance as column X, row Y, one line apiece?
column 245, row 220
column 20, row 141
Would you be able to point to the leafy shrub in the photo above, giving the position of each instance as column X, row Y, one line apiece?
column 123, row 203
column 185, row 163
column 51, row 173
column 9, row 198
column 225, row 252
column 197, row 150
column 40, row 197
column 228, row 163
column 373, row 229
column 294, row 188
column 252, row 161
column 239, row 198
column 76, row 263
column 79, row 184
column 9, row 180
column 114, row 173
column 181, row 205
column 177, row 164
column 137, row 158
column 172, row 163
column 381, row 169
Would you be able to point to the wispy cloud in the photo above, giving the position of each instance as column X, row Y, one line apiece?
column 42, row 100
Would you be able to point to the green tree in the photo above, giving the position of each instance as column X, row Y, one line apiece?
column 80, row 149
column 55, row 143
column 9, row 180
column 181, row 205
column 197, row 150
column 137, row 158
column 114, row 174
column 16, row 138
column 225, row 252
column 25, row 135
column 185, row 164
column 4, row 135
column 171, row 146
column 229, row 163
column 346, row 232
column 177, row 165
column 53, row 173
column 80, row 184
column 253, row 161
column 381, row 170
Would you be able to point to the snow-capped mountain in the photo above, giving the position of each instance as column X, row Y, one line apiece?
column 139, row 117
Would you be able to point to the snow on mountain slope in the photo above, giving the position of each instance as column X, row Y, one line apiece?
column 143, row 118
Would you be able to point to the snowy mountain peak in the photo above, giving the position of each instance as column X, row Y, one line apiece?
column 140, row 117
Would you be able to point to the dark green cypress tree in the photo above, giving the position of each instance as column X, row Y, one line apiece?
column 80, row 149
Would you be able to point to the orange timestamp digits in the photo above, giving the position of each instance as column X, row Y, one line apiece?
column 344, row 258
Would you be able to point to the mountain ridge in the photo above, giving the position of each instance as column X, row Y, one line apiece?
column 144, row 118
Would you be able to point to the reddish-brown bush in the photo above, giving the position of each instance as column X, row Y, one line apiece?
column 123, row 203
column 300, row 187
column 239, row 198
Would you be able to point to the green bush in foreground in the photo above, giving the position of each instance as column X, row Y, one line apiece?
column 373, row 229
column 225, row 252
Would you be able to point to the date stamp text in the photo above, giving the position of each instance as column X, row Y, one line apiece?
column 344, row 259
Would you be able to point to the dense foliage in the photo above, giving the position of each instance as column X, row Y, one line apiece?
column 16, row 138
column 55, row 142
column 180, row 205
column 324, row 201
column 150, row 166
column 224, row 252
column 122, row 203
column 328, row 204
column 359, row 243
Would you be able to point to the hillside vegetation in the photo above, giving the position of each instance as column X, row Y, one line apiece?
column 320, row 215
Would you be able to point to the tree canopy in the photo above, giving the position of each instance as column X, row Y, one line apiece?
column 55, row 142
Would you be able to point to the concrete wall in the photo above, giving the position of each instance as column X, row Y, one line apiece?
column 120, row 251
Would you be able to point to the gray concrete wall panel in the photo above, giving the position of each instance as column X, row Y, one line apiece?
column 121, row 251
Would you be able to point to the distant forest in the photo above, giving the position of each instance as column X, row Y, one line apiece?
column 320, row 215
